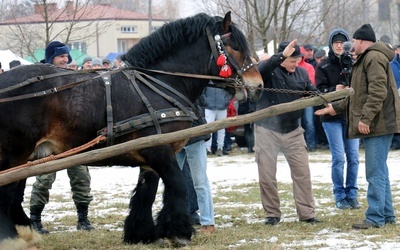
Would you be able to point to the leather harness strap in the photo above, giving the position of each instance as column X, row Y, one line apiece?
column 109, row 110
column 145, row 120
column 135, row 87
column 141, row 75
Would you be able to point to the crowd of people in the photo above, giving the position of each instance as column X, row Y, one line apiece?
column 370, row 117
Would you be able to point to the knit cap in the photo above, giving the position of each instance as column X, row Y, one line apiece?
column 365, row 33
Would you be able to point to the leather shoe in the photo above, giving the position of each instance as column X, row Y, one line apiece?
column 312, row 220
column 207, row 229
column 364, row 225
column 272, row 220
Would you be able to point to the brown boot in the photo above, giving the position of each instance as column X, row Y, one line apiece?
column 207, row 229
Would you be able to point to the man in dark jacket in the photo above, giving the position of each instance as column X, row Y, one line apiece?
column 373, row 116
column 283, row 133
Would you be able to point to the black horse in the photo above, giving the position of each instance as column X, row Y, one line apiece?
column 48, row 109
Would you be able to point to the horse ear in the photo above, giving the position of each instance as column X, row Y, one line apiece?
column 227, row 22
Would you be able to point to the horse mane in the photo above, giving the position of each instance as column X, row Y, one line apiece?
column 173, row 35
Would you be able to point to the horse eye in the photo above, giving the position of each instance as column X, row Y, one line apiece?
column 235, row 48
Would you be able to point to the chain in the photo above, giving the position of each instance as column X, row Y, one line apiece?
column 288, row 91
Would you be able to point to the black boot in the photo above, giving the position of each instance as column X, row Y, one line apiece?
column 83, row 222
column 36, row 219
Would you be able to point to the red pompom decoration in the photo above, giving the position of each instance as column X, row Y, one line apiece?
column 225, row 71
column 221, row 60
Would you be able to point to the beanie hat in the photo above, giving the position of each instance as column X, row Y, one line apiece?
column 97, row 61
column 339, row 37
column 365, row 33
column 106, row 61
column 73, row 62
column 86, row 59
column 54, row 49
column 296, row 52
column 320, row 53
column 308, row 46
column 14, row 63
column 385, row 39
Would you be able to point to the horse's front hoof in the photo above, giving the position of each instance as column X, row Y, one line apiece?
column 162, row 243
column 177, row 242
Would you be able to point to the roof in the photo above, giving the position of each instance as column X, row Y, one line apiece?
column 82, row 13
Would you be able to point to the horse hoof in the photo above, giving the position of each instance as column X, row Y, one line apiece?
column 162, row 243
column 177, row 242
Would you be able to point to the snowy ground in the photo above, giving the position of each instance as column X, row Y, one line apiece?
column 116, row 183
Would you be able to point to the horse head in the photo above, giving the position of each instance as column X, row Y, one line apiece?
column 204, row 45
column 233, row 57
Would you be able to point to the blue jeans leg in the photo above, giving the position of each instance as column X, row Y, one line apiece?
column 339, row 147
column 196, row 156
column 309, row 126
column 351, row 148
column 379, row 196
column 191, row 197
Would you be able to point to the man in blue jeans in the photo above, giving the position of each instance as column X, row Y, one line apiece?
column 329, row 78
column 373, row 116
column 195, row 154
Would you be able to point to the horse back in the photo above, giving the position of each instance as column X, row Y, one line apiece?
column 70, row 118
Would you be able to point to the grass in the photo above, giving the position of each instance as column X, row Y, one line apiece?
column 239, row 219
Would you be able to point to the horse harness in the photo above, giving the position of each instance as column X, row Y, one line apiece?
column 155, row 117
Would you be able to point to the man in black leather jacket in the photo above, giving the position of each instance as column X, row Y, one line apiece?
column 282, row 133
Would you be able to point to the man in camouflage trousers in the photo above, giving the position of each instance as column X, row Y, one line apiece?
column 58, row 54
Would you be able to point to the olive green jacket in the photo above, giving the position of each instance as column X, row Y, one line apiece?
column 376, row 99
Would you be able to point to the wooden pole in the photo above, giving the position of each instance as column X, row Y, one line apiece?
column 159, row 139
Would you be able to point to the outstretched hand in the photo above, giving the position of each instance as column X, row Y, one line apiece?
column 325, row 111
column 288, row 51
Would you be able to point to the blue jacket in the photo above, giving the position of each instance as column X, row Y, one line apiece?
column 395, row 63
column 216, row 98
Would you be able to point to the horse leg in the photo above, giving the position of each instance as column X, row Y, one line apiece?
column 139, row 225
column 7, row 228
column 173, row 221
column 17, row 213
column 8, row 232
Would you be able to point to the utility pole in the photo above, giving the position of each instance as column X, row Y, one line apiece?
column 150, row 17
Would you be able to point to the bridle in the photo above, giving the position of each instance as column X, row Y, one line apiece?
column 222, row 57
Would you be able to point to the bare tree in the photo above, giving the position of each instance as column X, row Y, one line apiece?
column 310, row 21
column 165, row 8
column 52, row 22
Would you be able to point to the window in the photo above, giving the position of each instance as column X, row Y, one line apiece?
column 121, row 46
column 81, row 46
column 128, row 29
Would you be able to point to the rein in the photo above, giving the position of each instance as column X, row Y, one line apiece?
column 51, row 90
column 101, row 75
